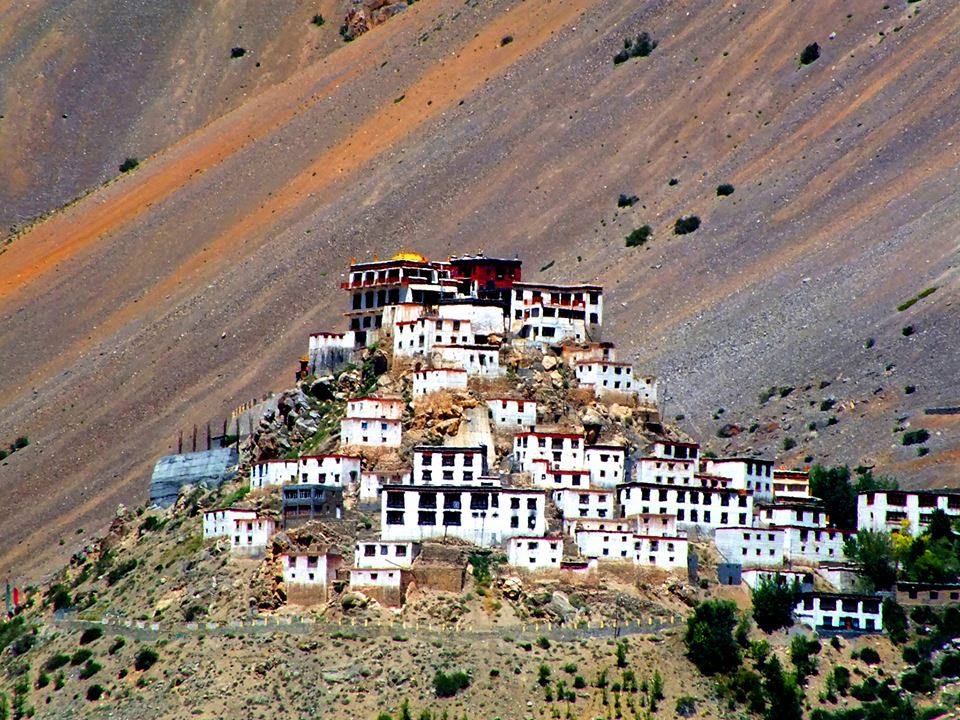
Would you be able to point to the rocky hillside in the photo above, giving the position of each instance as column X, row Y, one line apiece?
column 190, row 284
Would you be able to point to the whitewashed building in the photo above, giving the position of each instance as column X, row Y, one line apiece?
column 485, row 516
column 307, row 574
column 806, row 513
column 339, row 470
column 704, row 508
column 885, row 510
column 434, row 380
column 573, row 352
column 751, row 474
column 751, row 546
column 251, row 536
column 535, row 553
column 573, row 525
column 546, row 476
column 388, row 585
column 790, row 484
column 449, row 465
column 222, row 521
column 373, row 422
column 840, row 611
column 586, row 503
column 606, row 544
column 329, row 350
column 477, row 360
column 382, row 554
column 675, row 450
column 418, row 337
column 485, row 317
column 606, row 464
column 667, row 552
column 542, row 313
column 608, row 376
column 512, row 413
column 373, row 480
column 653, row 524
column 665, row 471
column 752, row 577
column 814, row 545
column 562, row 450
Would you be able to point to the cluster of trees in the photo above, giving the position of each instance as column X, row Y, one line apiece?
column 838, row 489
column 932, row 557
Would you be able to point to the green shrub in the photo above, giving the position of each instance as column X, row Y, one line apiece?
column 237, row 52
column 55, row 662
column 81, row 656
column 118, row 643
column 773, row 603
column 21, row 442
column 949, row 665
column 810, row 54
column 789, row 444
column 622, row 654
column 449, row 684
column 639, row 237
column 827, row 404
column 627, row 200
column 920, row 679
column 724, row 190
column 686, row 225
column 59, row 596
column 91, row 668
column 318, row 20
column 543, row 675
column 579, row 682
column 145, row 659
column 42, row 680
column 907, row 330
column 642, row 46
column 90, row 635
column 115, row 575
column 95, row 692
column 916, row 437
column 543, row 642
column 869, row 656
column 838, row 681
column 129, row 164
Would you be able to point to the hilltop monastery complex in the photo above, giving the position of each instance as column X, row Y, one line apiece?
column 564, row 500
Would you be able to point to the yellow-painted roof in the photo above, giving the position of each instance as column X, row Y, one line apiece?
column 410, row 256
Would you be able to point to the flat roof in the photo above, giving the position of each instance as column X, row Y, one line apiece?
column 449, row 448
column 464, row 488
column 552, row 286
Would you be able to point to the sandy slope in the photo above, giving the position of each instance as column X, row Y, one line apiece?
column 430, row 133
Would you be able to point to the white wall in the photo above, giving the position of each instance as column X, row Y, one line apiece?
column 339, row 470
column 702, row 508
column 664, row 471
column 373, row 432
column 535, row 553
column 447, row 465
column 383, row 554
column 562, row 450
column 751, row 546
column 220, row 522
column 606, row 464
column 745, row 473
column 251, row 536
column 584, row 503
column 477, row 360
column 318, row 569
column 605, row 544
column 512, row 413
column 435, row 380
column 661, row 551
column 822, row 610
column 484, row 319
column 886, row 510
column 551, row 478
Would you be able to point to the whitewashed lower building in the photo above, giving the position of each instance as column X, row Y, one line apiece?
column 330, row 350
column 704, row 508
column 653, row 524
column 388, row 585
column 308, row 574
column 372, row 481
column 512, row 413
column 608, row 376
column 573, row 525
column 840, row 612
column 535, row 552
column 790, row 484
column 426, row 382
column 546, row 476
column 221, row 522
column 370, row 432
column 339, row 470
column 752, row 474
column 606, row 544
column 667, row 552
column 803, row 513
column 814, row 545
column 485, row 516
column 886, row 510
column 420, row 336
column 382, row 553
column 586, row 503
column 251, row 536
column 478, row 360
column 562, row 450
column 449, row 465
column 664, row 471
column 751, row 546
column 675, row 450
column 752, row 577
column 606, row 464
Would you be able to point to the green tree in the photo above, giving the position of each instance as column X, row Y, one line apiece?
column 773, row 602
column 832, row 485
column 874, row 551
column 939, row 526
column 709, row 637
column 783, row 693
column 894, row 621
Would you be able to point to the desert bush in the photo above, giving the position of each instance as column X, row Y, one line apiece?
column 90, row 635
column 709, row 637
column 118, row 643
column 627, row 200
column 129, row 164
column 915, row 437
column 773, row 603
column 237, row 52
column 724, row 190
column 90, row 668
column 449, row 684
column 810, row 54
column 543, row 675
column 81, row 656
column 117, row 573
column 642, row 46
column 869, row 656
column 639, row 237
column 686, row 706
column 686, row 225
column 145, row 659
column 318, row 20
column 95, row 692
column 55, row 662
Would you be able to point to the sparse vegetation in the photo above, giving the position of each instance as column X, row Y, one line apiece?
column 145, row 659
column 916, row 437
column 686, row 225
column 131, row 163
column 709, row 637
column 810, row 54
column 449, row 684
column 916, row 298
column 317, row 20
column 639, row 237
column 642, row 46
column 773, row 603
column 237, row 52
column 90, row 635
column 724, row 190
column 625, row 201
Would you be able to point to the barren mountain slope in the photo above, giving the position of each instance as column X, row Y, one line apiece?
column 190, row 284
column 87, row 83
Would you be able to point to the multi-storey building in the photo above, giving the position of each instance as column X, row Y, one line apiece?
column 665, row 471
column 667, row 552
column 477, row 360
column 372, row 421
column 745, row 474
column 608, row 376
column 512, row 413
column 221, row 522
column 250, row 536
column 807, row 513
column 586, row 503
column 447, row 465
column 675, row 450
column 705, row 508
column 372, row 481
column 302, row 503
column 839, row 612
column 546, row 476
column 562, row 450
column 418, row 337
column 535, row 552
column 606, row 464
column 891, row 509
column 482, row 515
column 750, row 546
column 381, row 553
column 789, row 484
column 486, row 277
column 549, row 314
column 341, row 470
column 308, row 574
column 434, row 380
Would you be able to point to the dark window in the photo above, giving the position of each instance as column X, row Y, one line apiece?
column 394, row 517
column 428, row 500
column 427, row 518
column 451, row 518
column 395, row 500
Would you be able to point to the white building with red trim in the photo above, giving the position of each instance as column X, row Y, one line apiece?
column 372, row 422
column 886, row 510
column 662, row 551
column 789, row 484
column 221, row 522
column 805, row 513
column 546, row 476
column 371, row 482
column 418, row 337
column 606, row 464
column 653, row 524
column 610, row 376
column 548, row 314
column 665, row 471
column 675, row 450
column 449, row 465
column 431, row 380
column 308, row 574
column 477, row 360
column 585, row 503
column 752, row 474
column 512, row 413
column 751, row 546
column 533, row 553
column 251, row 536
column 562, row 450
column 705, row 508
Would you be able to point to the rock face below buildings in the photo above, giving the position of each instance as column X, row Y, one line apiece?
column 208, row 468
